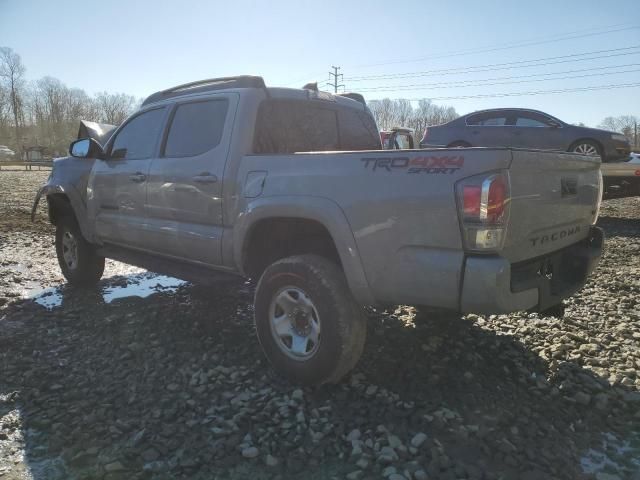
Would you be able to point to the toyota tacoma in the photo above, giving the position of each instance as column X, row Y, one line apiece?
column 291, row 187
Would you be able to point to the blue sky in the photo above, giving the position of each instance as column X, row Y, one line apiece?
column 138, row 47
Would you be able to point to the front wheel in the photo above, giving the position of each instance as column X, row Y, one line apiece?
column 311, row 329
column 77, row 258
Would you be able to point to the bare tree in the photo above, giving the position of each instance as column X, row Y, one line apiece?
column 625, row 124
column 390, row 113
column 403, row 111
column 113, row 108
column 12, row 73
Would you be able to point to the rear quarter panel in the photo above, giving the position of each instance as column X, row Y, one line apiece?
column 400, row 206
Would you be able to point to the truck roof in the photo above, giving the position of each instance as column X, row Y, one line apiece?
column 250, row 81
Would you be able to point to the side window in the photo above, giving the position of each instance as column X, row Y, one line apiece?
column 137, row 139
column 529, row 122
column 357, row 131
column 485, row 120
column 196, row 128
column 289, row 126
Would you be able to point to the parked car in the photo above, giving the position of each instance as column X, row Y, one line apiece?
column 226, row 178
column 398, row 138
column 622, row 179
column 523, row 128
column 6, row 153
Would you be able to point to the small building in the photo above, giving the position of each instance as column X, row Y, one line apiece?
column 36, row 153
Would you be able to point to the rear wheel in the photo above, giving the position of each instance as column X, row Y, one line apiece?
column 77, row 258
column 311, row 329
column 586, row 147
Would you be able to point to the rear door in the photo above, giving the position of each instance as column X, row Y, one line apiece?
column 184, row 199
column 488, row 129
column 534, row 130
column 117, row 187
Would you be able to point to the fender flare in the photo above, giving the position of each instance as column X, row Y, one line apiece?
column 77, row 205
column 320, row 209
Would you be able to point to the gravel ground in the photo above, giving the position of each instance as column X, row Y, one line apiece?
column 172, row 383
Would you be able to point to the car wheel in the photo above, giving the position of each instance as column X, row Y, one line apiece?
column 77, row 258
column 311, row 329
column 459, row 145
column 586, row 147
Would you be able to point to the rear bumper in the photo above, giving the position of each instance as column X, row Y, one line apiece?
column 616, row 151
column 493, row 285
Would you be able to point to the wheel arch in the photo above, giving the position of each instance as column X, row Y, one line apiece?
column 64, row 201
column 314, row 214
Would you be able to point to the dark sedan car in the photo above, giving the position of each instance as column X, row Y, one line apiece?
column 511, row 127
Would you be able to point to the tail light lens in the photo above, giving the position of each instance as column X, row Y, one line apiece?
column 483, row 203
column 600, row 193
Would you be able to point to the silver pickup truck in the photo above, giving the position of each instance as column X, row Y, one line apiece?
column 292, row 188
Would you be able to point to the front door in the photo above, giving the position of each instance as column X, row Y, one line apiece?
column 184, row 196
column 117, row 187
column 534, row 130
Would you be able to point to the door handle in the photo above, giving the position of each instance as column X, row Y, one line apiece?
column 138, row 177
column 205, row 177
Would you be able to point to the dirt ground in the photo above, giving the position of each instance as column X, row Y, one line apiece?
column 148, row 377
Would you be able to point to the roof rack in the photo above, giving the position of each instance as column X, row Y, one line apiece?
column 210, row 84
column 354, row 96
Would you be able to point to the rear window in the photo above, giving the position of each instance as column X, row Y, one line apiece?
column 357, row 131
column 485, row 120
column 289, row 126
column 285, row 126
column 196, row 128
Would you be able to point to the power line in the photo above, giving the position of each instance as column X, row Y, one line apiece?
column 386, row 88
column 335, row 74
column 503, row 66
column 526, row 43
column 464, row 82
column 534, row 92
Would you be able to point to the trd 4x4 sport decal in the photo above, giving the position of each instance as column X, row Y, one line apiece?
column 428, row 165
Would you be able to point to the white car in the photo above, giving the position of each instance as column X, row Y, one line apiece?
column 6, row 153
column 622, row 179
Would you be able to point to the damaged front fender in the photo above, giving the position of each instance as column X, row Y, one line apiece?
column 44, row 190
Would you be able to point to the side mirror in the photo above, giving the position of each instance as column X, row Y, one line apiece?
column 86, row 148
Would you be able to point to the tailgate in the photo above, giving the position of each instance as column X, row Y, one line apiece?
column 554, row 199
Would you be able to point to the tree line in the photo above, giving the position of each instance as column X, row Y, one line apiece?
column 401, row 113
column 46, row 112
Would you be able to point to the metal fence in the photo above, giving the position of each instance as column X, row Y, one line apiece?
column 26, row 165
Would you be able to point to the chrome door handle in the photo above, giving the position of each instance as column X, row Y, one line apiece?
column 205, row 177
column 138, row 177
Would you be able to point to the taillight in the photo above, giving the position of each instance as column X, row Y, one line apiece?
column 600, row 193
column 471, row 198
column 483, row 202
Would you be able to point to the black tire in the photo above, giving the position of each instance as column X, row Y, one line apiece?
column 459, row 144
column 580, row 145
column 88, row 267
column 342, row 323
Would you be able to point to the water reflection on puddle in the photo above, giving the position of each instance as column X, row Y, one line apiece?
column 139, row 285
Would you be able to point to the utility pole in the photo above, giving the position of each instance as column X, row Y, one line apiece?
column 335, row 76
